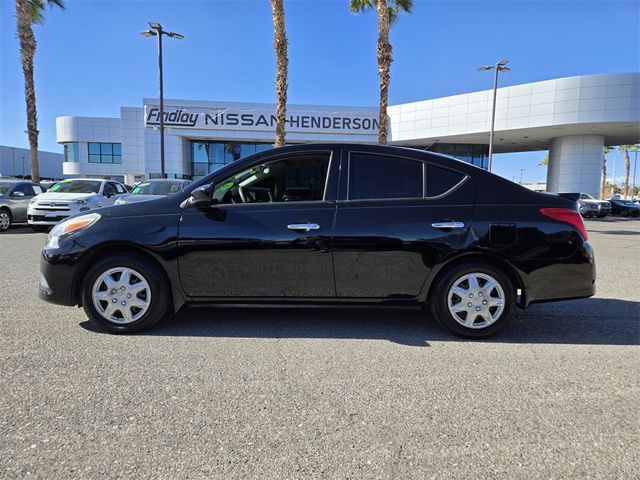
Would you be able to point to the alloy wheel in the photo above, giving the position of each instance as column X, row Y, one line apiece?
column 476, row 300
column 121, row 295
column 5, row 221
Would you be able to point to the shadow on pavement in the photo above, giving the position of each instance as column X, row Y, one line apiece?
column 596, row 321
column 619, row 232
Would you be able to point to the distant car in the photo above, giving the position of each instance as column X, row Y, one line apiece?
column 590, row 207
column 625, row 208
column 152, row 190
column 69, row 197
column 15, row 196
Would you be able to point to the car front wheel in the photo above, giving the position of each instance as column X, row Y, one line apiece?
column 474, row 300
column 5, row 220
column 125, row 294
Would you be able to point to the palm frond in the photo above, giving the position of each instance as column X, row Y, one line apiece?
column 37, row 8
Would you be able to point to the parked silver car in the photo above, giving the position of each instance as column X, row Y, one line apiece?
column 69, row 197
column 15, row 196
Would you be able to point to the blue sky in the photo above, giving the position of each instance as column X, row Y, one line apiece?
column 91, row 59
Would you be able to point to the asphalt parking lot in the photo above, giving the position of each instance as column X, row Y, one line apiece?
column 316, row 393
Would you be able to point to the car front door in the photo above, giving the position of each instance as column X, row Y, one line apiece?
column 267, row 232
column 20, row 197
column 396, row 218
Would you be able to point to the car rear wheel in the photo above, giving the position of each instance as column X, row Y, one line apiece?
column 125, row 294
column 5, row 220
column 474, row 300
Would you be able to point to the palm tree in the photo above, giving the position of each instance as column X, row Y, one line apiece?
column 603, row 181
column 29, row 12
column 388, row 11
column 282, row 62
column 624, row 149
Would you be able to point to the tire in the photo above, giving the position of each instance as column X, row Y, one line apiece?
column 40, row 228
column 491, row 318
column 5, row 220
column 602, row 215
column 152, row 303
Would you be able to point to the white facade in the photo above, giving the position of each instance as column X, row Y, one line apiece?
column 564, row 115
column 16, row 162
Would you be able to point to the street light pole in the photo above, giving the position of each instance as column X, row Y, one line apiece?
column 635, row 165
column 500, row 66
column 157, row 31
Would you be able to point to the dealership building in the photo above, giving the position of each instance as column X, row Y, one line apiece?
column 573, row 118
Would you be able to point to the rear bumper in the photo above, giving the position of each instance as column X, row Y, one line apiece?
column 571, row 278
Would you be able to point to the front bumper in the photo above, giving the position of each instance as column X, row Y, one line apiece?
column 56, row 280
column 40, row 216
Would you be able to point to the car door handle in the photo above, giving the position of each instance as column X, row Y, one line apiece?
column 447, row 225
column 304, row 227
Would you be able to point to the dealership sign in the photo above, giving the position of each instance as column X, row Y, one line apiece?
column 263, row 119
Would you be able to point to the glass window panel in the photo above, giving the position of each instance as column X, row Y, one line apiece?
column 94, row 158
column 94, row 148
column 231, row 152
column 377, row 176
column 247, row 149
column 117, row 149
column 117, row 159
column 106, row 148
column 107, row 158
column 199, row 152
column 216, row 152
column 441, row 180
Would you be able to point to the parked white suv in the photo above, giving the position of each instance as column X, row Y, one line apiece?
column 69, row 197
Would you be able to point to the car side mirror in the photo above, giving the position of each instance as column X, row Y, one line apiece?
column 17, row 194
column 201, row 196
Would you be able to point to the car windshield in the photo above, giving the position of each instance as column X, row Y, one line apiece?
column 157, row 188
column 586, row 196
column 76, row 186
column 4, row 187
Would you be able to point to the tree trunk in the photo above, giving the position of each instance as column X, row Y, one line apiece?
column 282, row 62
column 385, row 58
column 603, row 182
column 27, row 53
column 627, row 171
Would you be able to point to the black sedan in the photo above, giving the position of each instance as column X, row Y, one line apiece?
column 625, row 208
column 326, row 224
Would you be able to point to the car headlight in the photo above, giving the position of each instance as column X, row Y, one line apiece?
column 81, row 201
column 68, row 227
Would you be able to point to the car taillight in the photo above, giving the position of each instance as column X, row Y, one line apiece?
column 567, row 215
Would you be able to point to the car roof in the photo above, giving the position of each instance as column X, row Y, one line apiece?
column 15, row 180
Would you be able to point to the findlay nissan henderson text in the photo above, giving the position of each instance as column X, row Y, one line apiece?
column 332, row 223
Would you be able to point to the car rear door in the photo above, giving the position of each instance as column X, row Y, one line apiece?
column 396, row 218
column 276, row 244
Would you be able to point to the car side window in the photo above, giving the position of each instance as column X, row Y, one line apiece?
column 299, row 178
column 24, row 188
column 374, row 176
column 120, row 188
column 109, row 189
column 440, row 180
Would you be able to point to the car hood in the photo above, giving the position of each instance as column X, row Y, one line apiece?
column 161, row 205
column 64, row 196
